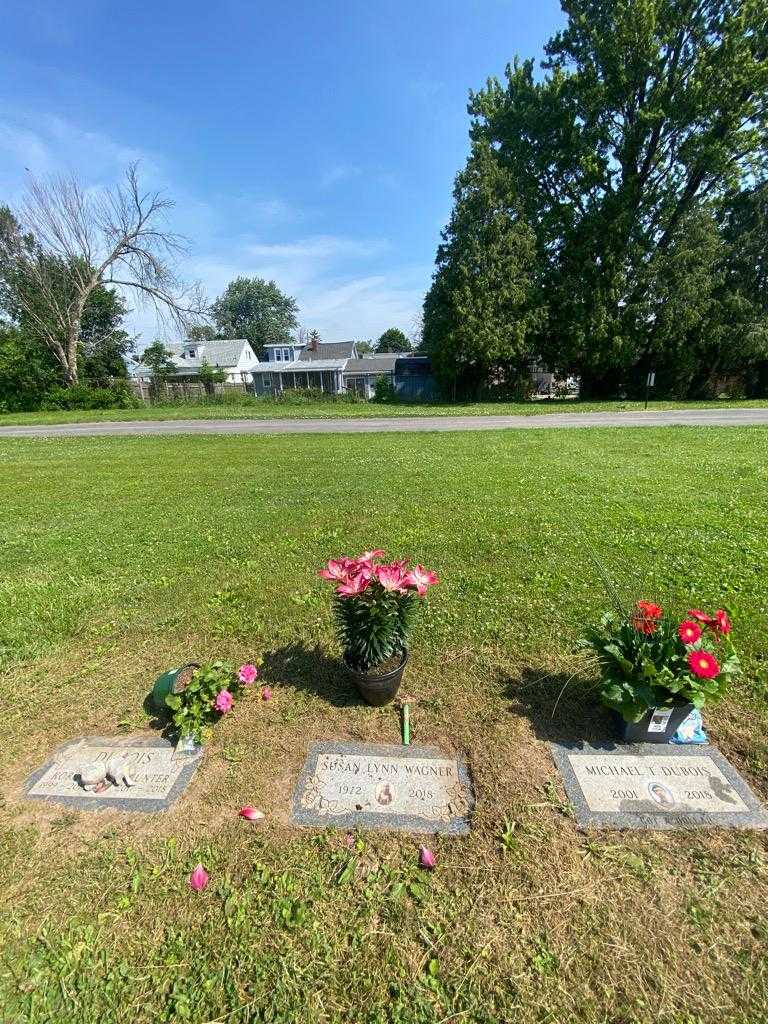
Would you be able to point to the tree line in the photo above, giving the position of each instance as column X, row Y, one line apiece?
column 68, row 257
column 612, row 217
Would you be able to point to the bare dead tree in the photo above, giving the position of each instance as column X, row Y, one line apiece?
column 84, row 239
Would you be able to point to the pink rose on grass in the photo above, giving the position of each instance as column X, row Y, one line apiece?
column 247, row 674
column 198, row 879
column 250, row 813
column 224, row 701
column 420, row 579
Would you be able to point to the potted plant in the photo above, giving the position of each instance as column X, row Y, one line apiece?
column 656, row 668
column 175, row 680
column 210, row 693
column 376, row 605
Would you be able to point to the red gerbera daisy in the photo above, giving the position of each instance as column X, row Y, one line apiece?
column 653, row 611
column 722, row 622
column 700, row 616
column 645, row 619
column 703, row 664
column 689, row 632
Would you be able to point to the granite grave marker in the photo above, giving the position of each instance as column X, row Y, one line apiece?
column 645, row 786
column 410, row 789
column 159, row 775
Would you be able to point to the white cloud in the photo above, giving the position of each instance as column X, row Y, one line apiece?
column 342, row 284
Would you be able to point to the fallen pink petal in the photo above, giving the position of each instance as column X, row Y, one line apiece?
column 251, row 813
column 426, row 858
column 266, row 693
column 199, row 879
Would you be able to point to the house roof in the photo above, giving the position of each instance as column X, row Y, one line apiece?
column 300, row 365
column 371, row 364
column 225, row 352
column 328, row 350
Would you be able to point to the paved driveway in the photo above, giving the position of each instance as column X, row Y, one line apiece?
column 675, row 417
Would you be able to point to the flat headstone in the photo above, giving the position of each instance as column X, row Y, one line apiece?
column 159, row 774
column 656, row 786
column 363, row 785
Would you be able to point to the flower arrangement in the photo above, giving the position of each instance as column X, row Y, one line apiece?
column 651, row 659
column 210, row 693
column 376, row 605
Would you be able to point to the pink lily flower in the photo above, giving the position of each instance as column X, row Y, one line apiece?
column 266, row 693
column 353, row 586
column 250, row 813
column 367, row 557
column 336, row 571
column 426, row 858
column 247, row 673
column 224, row 701
column 390, row 577
column 420, row 578
column 198, row 879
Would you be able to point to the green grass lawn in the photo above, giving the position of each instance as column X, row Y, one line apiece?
column 267, row 409
column 123, row 556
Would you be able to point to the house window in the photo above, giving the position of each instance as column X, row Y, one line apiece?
column 279, row 355
column 266, row 380
column 286, row 355
column 192, row 353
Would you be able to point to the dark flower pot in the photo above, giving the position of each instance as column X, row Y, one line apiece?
column 649, row 731
column 378, row 689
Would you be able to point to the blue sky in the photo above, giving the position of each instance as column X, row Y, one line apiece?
column 310, row 142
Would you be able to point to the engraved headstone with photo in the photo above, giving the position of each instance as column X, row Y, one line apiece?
column 644, row 786
column 412, row 789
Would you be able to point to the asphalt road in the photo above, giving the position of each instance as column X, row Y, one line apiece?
column 676, row 417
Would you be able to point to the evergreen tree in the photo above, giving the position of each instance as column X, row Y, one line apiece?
column 483, row 308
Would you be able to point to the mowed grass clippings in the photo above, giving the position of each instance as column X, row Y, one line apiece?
column 123, row 556
column 242, row 407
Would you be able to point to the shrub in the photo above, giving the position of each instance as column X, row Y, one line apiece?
column 384, row 390
column 83, row 396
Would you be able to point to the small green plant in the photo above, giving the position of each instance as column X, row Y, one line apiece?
column 210, row 693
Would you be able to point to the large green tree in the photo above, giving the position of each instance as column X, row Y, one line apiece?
column 393, row 340
column 483, row 309
column 647, row 115
column 255, row 309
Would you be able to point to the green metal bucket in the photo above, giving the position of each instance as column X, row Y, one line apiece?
column 173, row 681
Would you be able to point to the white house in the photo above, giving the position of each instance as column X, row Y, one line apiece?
column 234, row 356
column 333, row 367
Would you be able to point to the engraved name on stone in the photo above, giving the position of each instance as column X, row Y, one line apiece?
column 344, row 783
column 152, row 770
column 657, row 784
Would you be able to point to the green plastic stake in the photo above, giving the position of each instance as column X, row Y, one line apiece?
column 406, row 725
